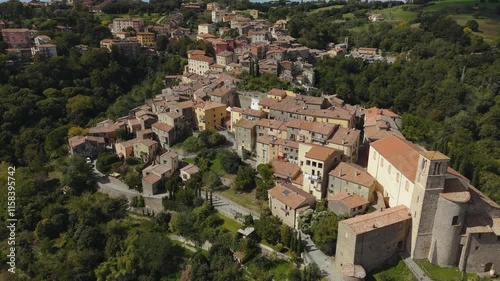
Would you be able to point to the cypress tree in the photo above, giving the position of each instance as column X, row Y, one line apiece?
column 251, row 68
column 257, row 68
column 293, row 242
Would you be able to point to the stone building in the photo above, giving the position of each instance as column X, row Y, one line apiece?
column 452, row 222
column 370, row 240
column 88, row 146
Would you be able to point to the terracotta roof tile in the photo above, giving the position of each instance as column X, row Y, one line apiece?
column 402, row 154
column 162, row 127
column 247, row 124
column 191, row 169
column 151, row 178
column 345, row 136
column 269, row 123
column 455, row 191
column 277, row 92
column 350, row 200
column 148, row 142
column 320, row 153
column 285, row 170
column 268, row 102
column 201, row 58
column 76, row 141
column 352, row 173
column 378, row 219
column 291, row 196
column 209, row 105
column 253, row 112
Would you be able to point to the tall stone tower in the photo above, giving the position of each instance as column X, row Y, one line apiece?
column 429, row 183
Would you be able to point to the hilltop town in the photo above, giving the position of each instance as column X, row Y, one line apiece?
column 235, row 148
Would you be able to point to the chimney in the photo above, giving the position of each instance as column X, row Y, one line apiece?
column 343, row 141
column 340, row 173
column 356, row 173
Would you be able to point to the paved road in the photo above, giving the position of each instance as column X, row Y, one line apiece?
column 324, row 262
column 230, row 208
column 188, row 244
column 116, row 188
column 225, row 206
column 415, row 269
column 159, row 21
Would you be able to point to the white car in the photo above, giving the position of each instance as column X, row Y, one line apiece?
column 89, row 161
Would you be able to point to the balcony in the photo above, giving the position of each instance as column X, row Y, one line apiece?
column 316, row 178
column 321, row 140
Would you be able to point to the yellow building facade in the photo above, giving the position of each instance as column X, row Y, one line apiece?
column 146, row 38
column 209, row 115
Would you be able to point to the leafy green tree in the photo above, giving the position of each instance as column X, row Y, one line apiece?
column 230, row 161
column 152, row 250
column 56, row 142
column 473, row 25
column 161, row 43
column 123, row 135
column 265, row 182
column 294, row 274
column 162, row 220
column 266, row 227
column 248, row 220
column 285, row 235
column 105, row 160
column 222, row 264
column 79, row 109
column 133, row 180
column 200, row 268
column 324, row 227
column 78, row 174
column 216, row 139
column 245, row 179
column 211, row 180
column 185, row 197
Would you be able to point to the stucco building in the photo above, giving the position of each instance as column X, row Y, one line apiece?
column 206, row 28
column 121, row 24
column 350, row 178
column 245, row 135
column 145, row 150
column 188, row 171
column 125, row 47
column 199, row 64
column 44, row 50
column 209, row 115
column 17, row 37
column 146, row 38
column 316, row 162
column 287, row 202
column 347, row 204
column 155, row 175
